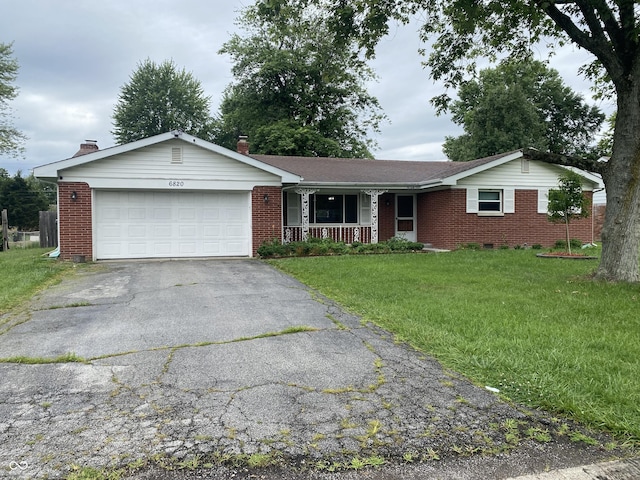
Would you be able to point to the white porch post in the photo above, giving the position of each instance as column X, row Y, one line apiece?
column 374, row 194
column 304, row 193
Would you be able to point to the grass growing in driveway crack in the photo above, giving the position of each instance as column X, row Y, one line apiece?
column 70, row 305
column 173, row 348
column 66, row 358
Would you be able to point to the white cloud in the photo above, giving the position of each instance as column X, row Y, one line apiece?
column 417, row 151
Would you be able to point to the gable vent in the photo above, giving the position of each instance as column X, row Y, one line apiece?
column 176, row 155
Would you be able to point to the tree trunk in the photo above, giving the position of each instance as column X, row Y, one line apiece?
column 621, row 230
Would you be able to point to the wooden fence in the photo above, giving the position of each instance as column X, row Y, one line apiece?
column 48, row 229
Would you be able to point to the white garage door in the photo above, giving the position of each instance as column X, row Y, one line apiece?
column 152, row 224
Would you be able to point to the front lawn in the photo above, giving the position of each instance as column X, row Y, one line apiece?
column 23, row 273
column 537, row 329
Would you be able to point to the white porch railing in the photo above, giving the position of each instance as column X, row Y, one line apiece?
column 337, row 233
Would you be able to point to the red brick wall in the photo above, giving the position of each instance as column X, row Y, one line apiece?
column 386, row 217
column 444, row 223
column 598, row 215
column 267, row 216
column 75, row 222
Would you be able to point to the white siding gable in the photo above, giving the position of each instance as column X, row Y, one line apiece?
column 511, row 174
column 155, row 166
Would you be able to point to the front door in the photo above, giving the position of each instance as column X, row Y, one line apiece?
column 406, row 217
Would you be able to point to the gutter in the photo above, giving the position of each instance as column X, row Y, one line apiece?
column 360, row 186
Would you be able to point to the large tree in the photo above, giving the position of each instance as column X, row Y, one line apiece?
column 464, row 30
column 293, row 92
column 160, row 98
column 520, row 104
column 11, row 139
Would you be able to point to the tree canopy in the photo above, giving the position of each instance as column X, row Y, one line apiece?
column 293, row 92
column 23, row 199
column 463, row 31
column 11, row 139
column 518, row 105
column 160, row 98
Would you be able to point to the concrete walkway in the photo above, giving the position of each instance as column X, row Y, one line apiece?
column 617, row 470
column 197, row 362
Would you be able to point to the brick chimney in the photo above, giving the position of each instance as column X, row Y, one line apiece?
column 243, row 145
column 89, row 146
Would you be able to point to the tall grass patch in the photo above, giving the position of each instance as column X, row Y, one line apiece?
column 540, row 330
column 23, row 273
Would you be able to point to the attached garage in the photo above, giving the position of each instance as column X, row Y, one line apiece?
column 168, row 196
column 157, row 224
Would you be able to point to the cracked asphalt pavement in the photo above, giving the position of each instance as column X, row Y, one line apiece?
column 208, row 361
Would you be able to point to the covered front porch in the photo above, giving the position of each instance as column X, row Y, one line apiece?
column 349, row 216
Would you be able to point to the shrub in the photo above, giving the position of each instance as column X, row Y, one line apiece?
column 273, row 248
column 562, row 244
column 400, row 244
column 325, row 246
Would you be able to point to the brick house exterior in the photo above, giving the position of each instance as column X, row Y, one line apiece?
column 175, row 195
column 75, row 220
column 526, row 227
column 266, row 205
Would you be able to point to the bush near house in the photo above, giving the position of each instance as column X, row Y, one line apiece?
column 325, row 246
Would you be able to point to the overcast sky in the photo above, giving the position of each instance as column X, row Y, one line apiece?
column 75, row 56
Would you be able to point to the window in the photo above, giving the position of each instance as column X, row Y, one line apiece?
column 328, row 209
column 489, row 201
column 494, row 202
column 334, row 208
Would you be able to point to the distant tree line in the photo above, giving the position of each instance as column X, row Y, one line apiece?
column 24, row 198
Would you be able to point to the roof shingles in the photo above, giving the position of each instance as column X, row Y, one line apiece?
column 323, row 170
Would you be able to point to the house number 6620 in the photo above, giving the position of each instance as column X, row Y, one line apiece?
column 176, row 183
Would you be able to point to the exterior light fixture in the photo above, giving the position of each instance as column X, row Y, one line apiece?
column 266, row 198
column 74, row 195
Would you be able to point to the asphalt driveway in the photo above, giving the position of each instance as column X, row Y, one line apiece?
column 210, row 360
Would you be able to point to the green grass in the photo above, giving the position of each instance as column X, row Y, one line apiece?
column 65, row 358
column 540, row 330
column 24, row 272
